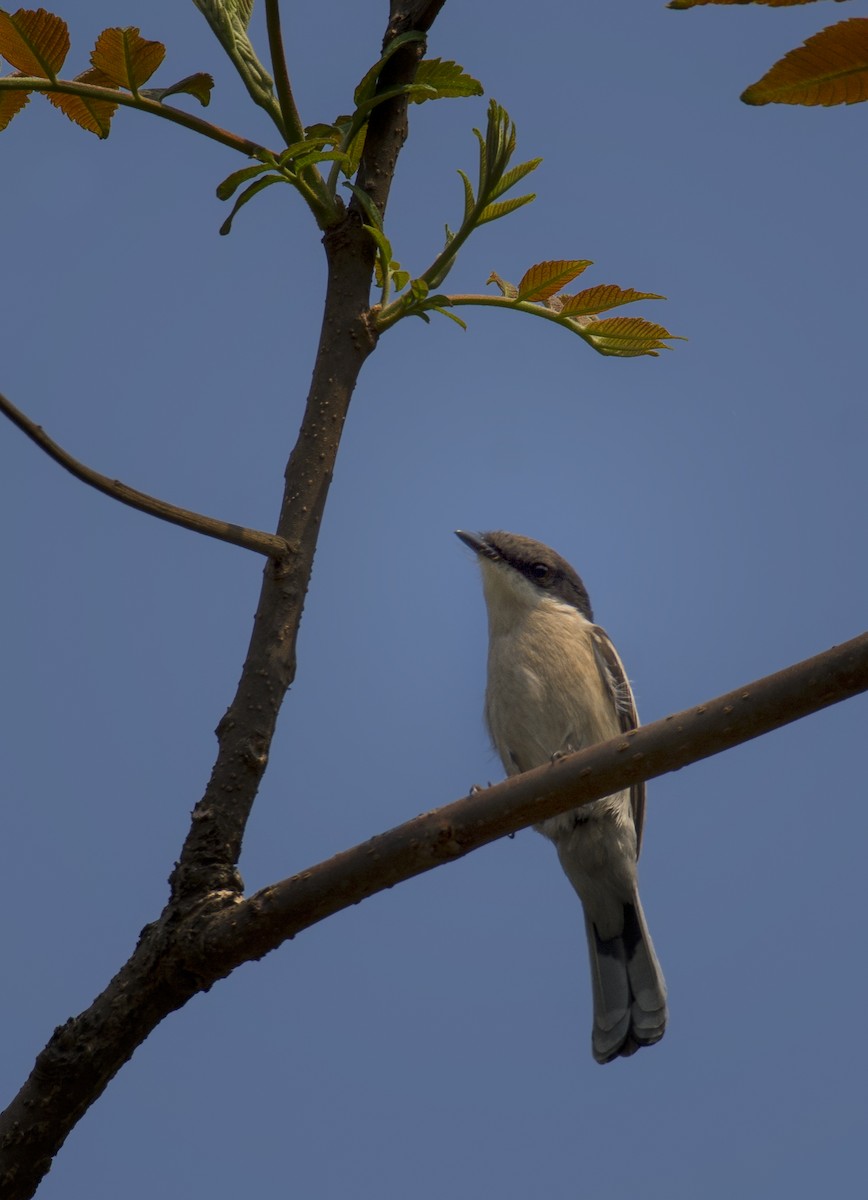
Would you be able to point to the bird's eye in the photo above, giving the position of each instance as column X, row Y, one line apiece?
column 541, row 572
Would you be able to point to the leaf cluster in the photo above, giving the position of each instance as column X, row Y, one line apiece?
column 538, row 292
column 618, row 337
column 342, row 142
column 36, row 43
column 481, row 205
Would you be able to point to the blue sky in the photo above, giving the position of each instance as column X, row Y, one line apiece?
column 435, row 1041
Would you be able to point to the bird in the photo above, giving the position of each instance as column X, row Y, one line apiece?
column 556, row 685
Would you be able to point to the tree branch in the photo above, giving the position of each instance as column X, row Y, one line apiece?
column 258, row 925
column 387, row 127
column 224, row 531
column 210, row 854
column 83, row 1055
column 186, row 953
column 90, row 91
column 207, row 928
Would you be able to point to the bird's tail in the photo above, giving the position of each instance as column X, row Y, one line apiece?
column 628, row 987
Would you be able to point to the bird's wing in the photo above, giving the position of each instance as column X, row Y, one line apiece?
column 618, row 685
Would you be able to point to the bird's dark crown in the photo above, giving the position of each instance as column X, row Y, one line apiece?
column 540, row 564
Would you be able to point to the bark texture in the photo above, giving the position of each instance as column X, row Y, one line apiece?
column 168, row 967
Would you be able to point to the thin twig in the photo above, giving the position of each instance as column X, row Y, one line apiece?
column 310, row 183
column 89, row 91
column 294, row 130
column 395, row 312
column 250, row 539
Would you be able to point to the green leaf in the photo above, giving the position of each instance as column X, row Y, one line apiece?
column 10, row 104
column 248, row 194
column 371, row 211
column 198, row 85
column 446, row 78
column 233, row 181
column 318, row 156
column 420, row 91
column 483, row 161
column 600, row 298
column 469, row 198
column 34, row 42
column 499, row 144
column 303, row 147
column 400, row 279
column 305, row 154
column 543, row 279
column 93, row 115
column 125, row 57
column 444, row 312
column 384, row 246
column 327, row 133
column 368, row 84
column 354, row 152
column 510, row 178
column 495, row 151
column 492, row 212
column 243, row 9
column 336, row 135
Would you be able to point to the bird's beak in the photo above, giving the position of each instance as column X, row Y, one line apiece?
column 475, row 541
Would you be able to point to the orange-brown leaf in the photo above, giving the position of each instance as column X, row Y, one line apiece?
column 767, row 3
column 830, row 68
column 91, row 114
column 10, row 104
column 34, row 41
column 128, row 59
column 600, row 298
column 626, row 337
column 543, row 279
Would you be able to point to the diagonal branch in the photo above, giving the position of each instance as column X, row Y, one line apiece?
column 181, row 955
column 271, row 916
column 237, row 535
column 90, row 91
